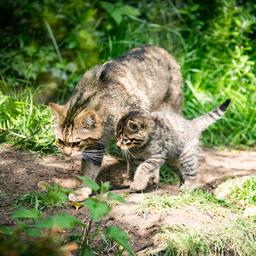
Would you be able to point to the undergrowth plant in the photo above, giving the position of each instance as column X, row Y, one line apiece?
column 50, row 51
column 25, row 124
column 89, row 237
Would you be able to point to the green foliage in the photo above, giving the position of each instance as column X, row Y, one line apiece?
column 245, row 194
column 25, row 124
column 57, row 41
column 31, row 223
column 90, row 183
column 22, row 213
column 118, row 10
column 168, row 176
column 120, row 237
column 52, row 196
column 65, row 221
column 97, row 208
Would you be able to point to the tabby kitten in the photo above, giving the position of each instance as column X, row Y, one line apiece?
column 143, row 80
column 163, row 137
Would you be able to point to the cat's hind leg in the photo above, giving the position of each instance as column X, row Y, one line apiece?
column 189, row 162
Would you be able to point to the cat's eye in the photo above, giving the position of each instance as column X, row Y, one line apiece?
column 61, row 142
column 77, row 143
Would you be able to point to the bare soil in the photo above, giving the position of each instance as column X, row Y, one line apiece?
column 21, row 172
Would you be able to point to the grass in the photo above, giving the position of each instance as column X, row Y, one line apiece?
column 194, row 36
column 245, row 194
column 25, row 124
column 236, row 239
column 235, row 236
column 51, row 196
column 199, row 198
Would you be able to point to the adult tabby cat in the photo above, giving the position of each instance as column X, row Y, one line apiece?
column 163, row 137
column 143, row 80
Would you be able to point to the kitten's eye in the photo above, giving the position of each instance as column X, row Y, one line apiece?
column 125, row 140
column 77, row 143
column 133, row 127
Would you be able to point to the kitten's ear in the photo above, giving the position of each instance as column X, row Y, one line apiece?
column 121, row 114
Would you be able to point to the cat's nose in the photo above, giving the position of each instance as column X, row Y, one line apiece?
column 118, row 144
column 67, row 151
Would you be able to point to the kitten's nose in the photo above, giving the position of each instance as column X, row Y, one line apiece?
column 118, row 144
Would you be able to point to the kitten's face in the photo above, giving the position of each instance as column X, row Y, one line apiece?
column 74, row 136
column 132, row 130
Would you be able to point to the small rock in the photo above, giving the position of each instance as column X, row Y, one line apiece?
column 250, row 211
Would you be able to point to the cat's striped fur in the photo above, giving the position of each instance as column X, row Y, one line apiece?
column 163, row 137
column 143, row 79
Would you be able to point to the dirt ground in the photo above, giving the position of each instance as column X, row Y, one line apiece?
column 20, row 172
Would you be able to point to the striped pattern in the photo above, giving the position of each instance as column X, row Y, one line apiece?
column 203, row 122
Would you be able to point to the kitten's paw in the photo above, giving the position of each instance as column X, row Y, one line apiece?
column 189, row 185
column 80, row 194
column 138, row 186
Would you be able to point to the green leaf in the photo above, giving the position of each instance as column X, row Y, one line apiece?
column 34, row 232
column 55, row 197
column 97, row 209
column 120, row 237
column 104, row 187
column 6, row 230
column 117, row 11
column 108, row 7
column 62, row 221
column 116, row 197
column 26, row 214
column 89, row 182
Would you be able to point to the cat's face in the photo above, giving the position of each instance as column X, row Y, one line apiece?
column 77, row 134
column 132, row 130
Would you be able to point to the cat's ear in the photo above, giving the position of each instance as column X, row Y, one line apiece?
column 86, row 119
column 57, row 110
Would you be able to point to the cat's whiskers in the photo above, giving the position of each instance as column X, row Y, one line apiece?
column 130, row 153
column 125, row 154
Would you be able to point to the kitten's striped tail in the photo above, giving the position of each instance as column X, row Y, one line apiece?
column 203, row 122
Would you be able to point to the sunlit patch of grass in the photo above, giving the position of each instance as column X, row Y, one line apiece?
column 199, row 198
column 237, row 238
column 244, row 194
column 25, row 124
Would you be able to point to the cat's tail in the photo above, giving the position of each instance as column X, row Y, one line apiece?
column 203, row 122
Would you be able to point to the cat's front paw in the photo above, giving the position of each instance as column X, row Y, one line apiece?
column 80, row 194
